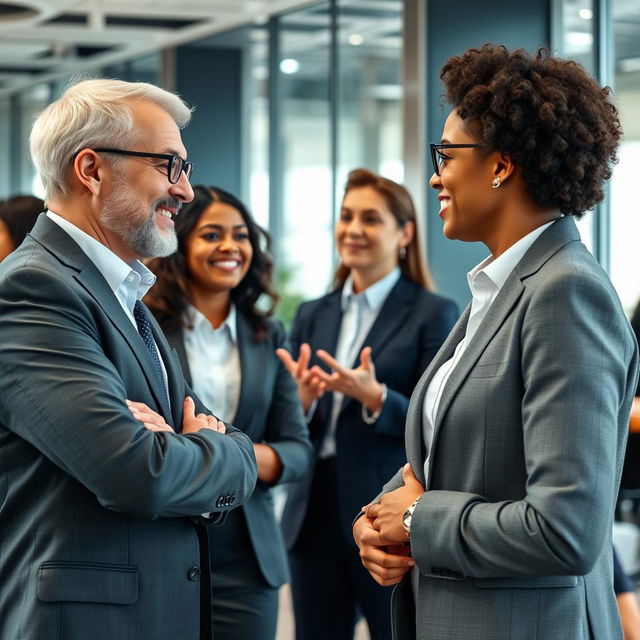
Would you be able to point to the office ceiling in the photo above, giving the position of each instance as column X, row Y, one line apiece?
column 42, row 40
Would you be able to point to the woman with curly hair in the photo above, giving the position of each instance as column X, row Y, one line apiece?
column 205, row 299
column 515, row 434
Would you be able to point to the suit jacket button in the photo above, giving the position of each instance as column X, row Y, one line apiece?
column 194, row 574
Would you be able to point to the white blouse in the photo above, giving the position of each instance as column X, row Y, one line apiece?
column 214, row 361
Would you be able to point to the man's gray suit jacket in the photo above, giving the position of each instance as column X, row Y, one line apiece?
column 513, row 537
column 100, row 534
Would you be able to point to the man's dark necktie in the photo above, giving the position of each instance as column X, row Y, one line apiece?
column 144, row 328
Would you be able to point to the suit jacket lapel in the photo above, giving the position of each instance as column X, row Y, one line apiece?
column 414, row 441
column 59, row 243
column 252, row 364
column 551, row 240
column 328, row 320
column 390, row 319
column 91, row 279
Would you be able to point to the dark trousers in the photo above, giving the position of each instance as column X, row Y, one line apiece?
column 243, row 604
column 330, row 586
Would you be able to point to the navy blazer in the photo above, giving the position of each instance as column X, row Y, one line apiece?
column 410, row 328
column 100, row 535
column 269, row 411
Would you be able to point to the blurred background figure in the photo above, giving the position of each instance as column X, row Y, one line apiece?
column 357, row 354
column 206, row 300
column 627, row 531
column 17, row 216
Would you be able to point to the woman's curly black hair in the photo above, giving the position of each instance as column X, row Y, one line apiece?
column 170, row 295
column 557, row 124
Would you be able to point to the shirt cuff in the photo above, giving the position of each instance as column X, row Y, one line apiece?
column 312, row 409
column 370, row 417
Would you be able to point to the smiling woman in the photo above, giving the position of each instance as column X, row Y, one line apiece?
column 205, row 300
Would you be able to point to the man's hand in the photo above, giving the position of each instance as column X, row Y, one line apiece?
column 386, row 516
column 387, row 563
column 310, row 386
column 190, row 422
column 359, row 383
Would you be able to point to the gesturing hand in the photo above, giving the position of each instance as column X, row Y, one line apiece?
column 190, row 422
column 310, row 386
column 386, row 516
column 359, row 383
column 387, row 563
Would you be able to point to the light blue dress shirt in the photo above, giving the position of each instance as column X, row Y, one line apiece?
column 129, row 282
column 359, row 312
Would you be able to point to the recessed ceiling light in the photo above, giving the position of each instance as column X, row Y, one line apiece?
column 289, row 66
column 355, row 39
column 586, row 14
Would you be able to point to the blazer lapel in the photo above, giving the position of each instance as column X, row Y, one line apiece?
column 252, row 363
column 391, row 317
column 328, row 320
column 59, row 243
column 416, row 452
column 551, row 240
column 96, row 286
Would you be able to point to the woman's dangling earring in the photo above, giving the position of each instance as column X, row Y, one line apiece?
column 495, row 183
column 403, row 253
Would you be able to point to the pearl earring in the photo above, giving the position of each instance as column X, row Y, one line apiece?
column 495, row 183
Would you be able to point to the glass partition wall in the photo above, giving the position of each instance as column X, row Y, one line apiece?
column 604, row 36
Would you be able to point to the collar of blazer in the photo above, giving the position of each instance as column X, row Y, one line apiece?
column 57, row 242
column 253, row 362
column 549, row 243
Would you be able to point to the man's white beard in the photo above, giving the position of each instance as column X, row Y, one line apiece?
column 121, row 213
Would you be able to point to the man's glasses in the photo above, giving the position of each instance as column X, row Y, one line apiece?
column 175, row 164
column 438, row 158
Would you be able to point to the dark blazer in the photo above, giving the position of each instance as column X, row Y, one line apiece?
column 410, row 328
column 513, row 537
column 100, row 533
column 268, row 411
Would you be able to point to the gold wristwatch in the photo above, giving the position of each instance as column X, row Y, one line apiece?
column 407, row 515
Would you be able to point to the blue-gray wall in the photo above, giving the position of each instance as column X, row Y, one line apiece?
column 451, row 29
column 211, row 80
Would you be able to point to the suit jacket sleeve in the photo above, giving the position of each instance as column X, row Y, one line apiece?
column 65, row 397
column 576, row 382
column 436, row 329
column 286, row 430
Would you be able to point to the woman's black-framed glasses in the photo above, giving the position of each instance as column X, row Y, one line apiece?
column 175, row 164
column 438, row 158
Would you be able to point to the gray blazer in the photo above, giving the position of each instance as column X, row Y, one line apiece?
column 513, row 537
column 268, row 411
column 100, row 533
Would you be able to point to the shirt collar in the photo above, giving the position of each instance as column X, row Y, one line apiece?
column 374, row 295
column 114, row 270
column 198, row 320
column 497, row 270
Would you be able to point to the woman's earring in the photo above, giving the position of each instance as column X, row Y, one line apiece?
column 403, row 253
column 495, row 183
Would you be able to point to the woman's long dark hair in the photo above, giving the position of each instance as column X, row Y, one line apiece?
column 170, row 295
column 20, row 213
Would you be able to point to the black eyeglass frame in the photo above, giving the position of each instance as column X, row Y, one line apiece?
column 436, row 147
column 172, row 158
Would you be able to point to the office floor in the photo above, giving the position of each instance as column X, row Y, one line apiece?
column 286, row 625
